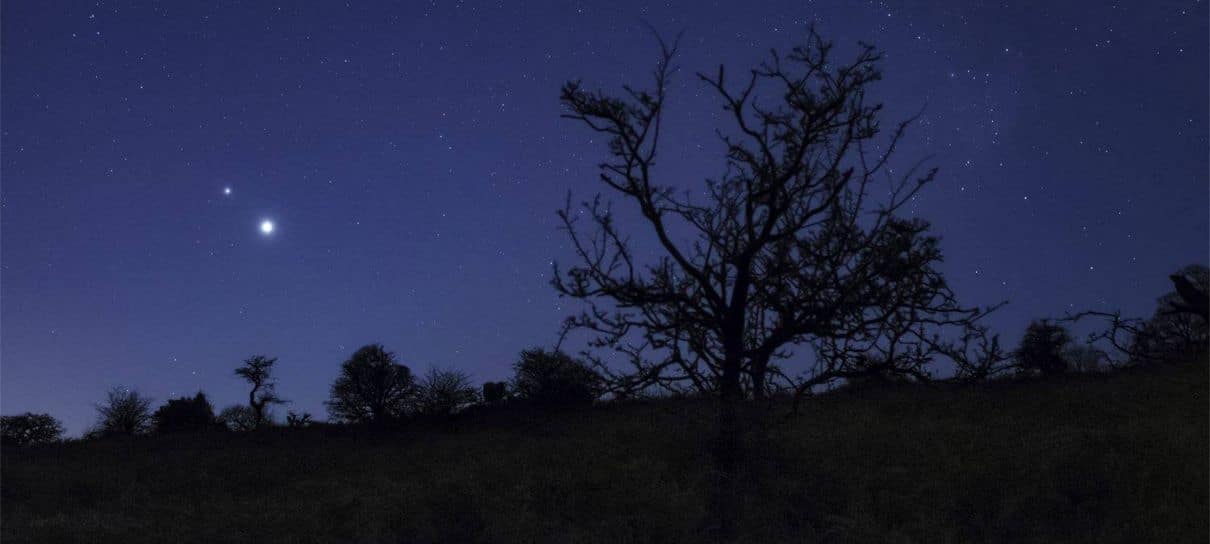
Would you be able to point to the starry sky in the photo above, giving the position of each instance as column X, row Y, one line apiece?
column 411, row 158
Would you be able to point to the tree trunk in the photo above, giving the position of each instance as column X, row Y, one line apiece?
column 760, row 373
column 728, row 447
column 258, row 408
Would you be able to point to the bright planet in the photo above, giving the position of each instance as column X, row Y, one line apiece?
column 266, row 227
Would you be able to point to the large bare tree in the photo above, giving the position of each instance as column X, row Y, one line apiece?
column 798, row 250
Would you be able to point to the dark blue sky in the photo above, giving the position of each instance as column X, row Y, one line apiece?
column 412, row 157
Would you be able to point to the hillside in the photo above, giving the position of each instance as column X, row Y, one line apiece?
column 1114, row 458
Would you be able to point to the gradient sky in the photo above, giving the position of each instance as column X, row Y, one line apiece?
column 412, row 157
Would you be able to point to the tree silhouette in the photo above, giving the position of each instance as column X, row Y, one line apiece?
column 1043, row 348
column 258, row 371
column 124, row 412
column 185, row 414
column 372, row 387
column 1176, row 332
column 799, row 247
column 29, row 428
column 495, row 393
column 445, row 392
column 238, row 418
column 798, row 243
column 554, row 378
column 978, row 355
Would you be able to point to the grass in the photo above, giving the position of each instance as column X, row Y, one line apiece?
column 1112, row 458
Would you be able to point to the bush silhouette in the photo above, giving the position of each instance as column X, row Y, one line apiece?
column 372, row 387
column 495, row 393
column 1084, row 359
column 296, row 420
column 185, row 414
column 445, row 392
column 238, row 418
column 124, row 412
column 29, row 428
column 873, row 372
column 554, row 378
column 1042, row 348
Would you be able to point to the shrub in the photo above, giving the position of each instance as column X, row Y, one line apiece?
column 29, row 428
column 495, row 393
column 372, row 387
column 185, row 414
column 297, row 421
column 1084, row 358
column 873, row 372
column 125, row 412
column 445, row 392
column 237, row 418
column 1042, row 348
column 554, row 378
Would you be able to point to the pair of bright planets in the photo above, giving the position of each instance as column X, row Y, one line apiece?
column 266, row 225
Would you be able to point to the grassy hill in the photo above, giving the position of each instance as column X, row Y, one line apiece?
column 1113, row 458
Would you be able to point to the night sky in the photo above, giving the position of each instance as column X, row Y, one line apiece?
column 411, row 159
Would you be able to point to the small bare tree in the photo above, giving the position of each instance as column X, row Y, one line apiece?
column 258, row 371
column 978, row 355
column 125, row 411
column 445, row 392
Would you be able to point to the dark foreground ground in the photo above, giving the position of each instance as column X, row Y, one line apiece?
column 1120, row 458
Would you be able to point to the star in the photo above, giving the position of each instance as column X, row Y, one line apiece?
column 226, row 191
column 266, row 227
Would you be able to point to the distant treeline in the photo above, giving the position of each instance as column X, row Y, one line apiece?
column 374, row 389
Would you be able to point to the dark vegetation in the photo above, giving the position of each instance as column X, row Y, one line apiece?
column 1109, row 457
column 237, row 418
column 372, row 387
column 794, row 269
column 124, row 412
column 258, row 372
column 1043, row 349
column 185, row 414
column 795, row 367
column 443, row 393
column 554, row 379
column 29, row 428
